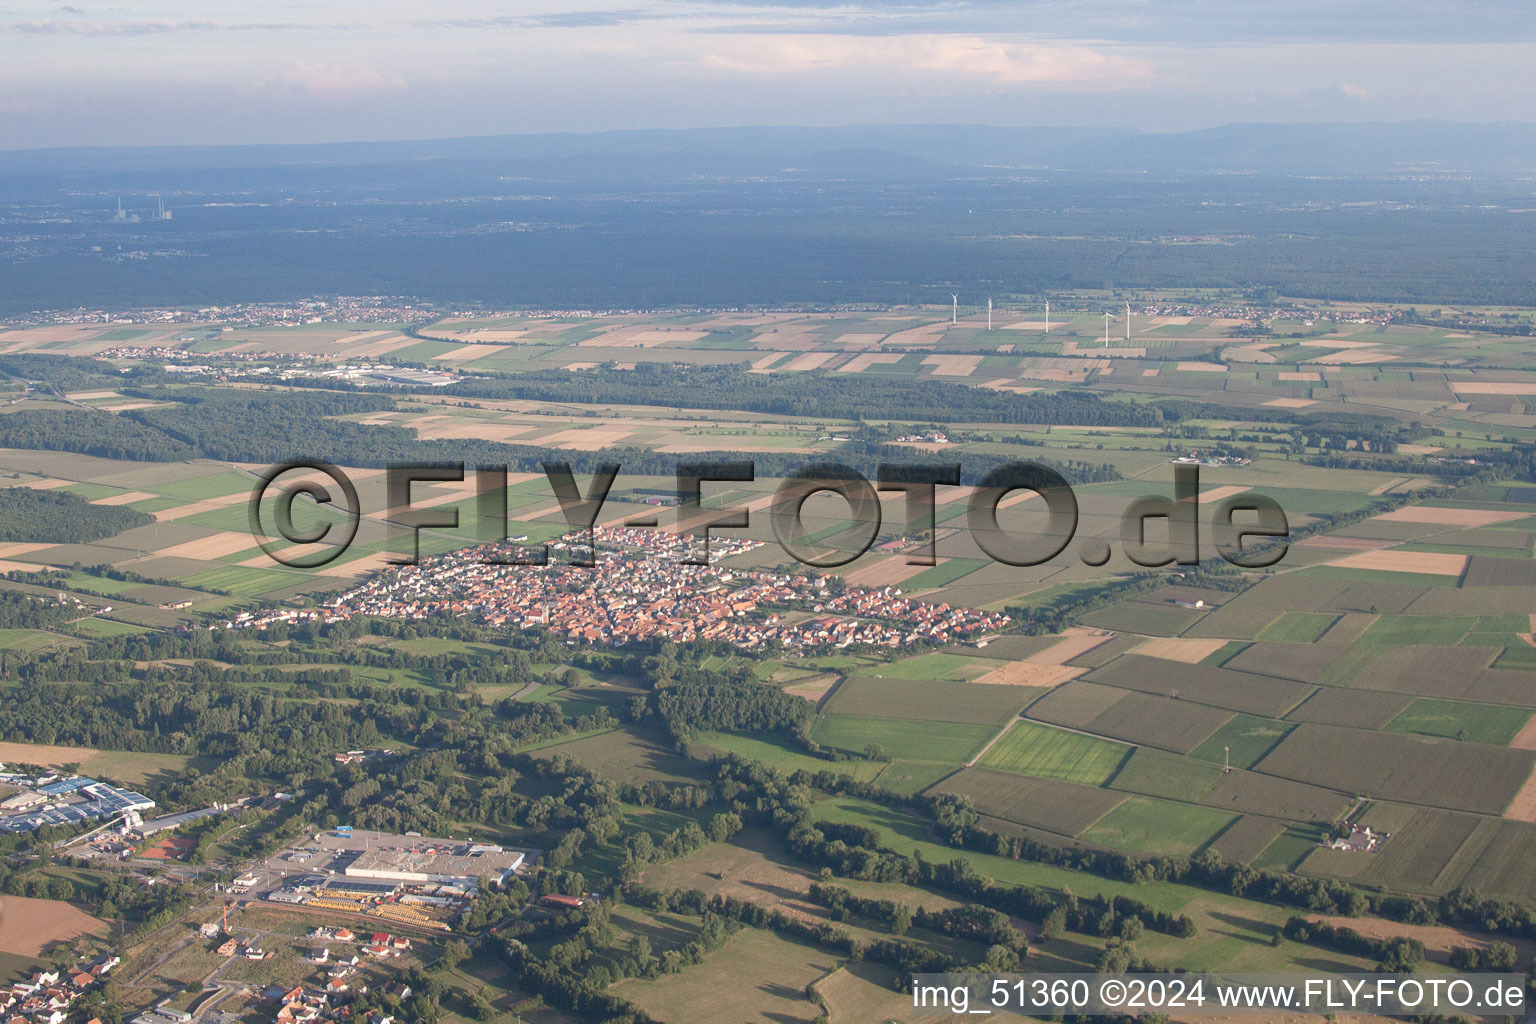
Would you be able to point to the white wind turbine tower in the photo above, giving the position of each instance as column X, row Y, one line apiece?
column 989, row 314
column 1107, row 318
column 1127, row 321
column 954, row 309
column 1047, row 316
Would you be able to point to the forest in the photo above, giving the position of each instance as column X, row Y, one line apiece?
column 58, row 517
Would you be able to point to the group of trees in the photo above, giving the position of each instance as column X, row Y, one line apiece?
column 59, row 517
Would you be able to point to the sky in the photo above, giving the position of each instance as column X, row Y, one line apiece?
column 179, row 72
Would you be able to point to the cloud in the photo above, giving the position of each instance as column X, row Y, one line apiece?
column 334, row 81
column 1356, row 92
column 76, row 27
column 1001, row 63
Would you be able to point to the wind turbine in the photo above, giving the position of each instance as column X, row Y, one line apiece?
column 1107, row 318
column 954, row 310
column 989, row 314
column 1127, row 321
column 1047, row 316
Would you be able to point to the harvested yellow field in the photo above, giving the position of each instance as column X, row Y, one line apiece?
column 464, row 353
column 1372, row 354
column 808, row 361
column 928, row 334
column 1475, row 387
column 764, row 362
column 1029, row 673
column 209, row 548
column 1300, row 375
column 191, row 508
column 1149, row 373
column 1199, row 367
column 86, row 396
column 1444, row 516
column 858, row 342
column 1433, row 563
column 814, row 688
column 865, row 360
column 579, row 366
column 41, row 754
column 1005, row 384
column 886, row 572
column 445, row 427
column 1215, row 494
column 590, row 439
column 1074, row 643
column 1290, row 403
column 1523, row 806
column 1525, row 739
column 19, row 548
column 953, row 366
column 30, row 927
column 1189, row 652
column 45, row 484
column 126, row 498
column 642, row 336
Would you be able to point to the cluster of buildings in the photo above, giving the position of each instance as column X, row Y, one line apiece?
column 406, row 880
column 628, row 598
column 380, row 375
column 1195, row 458
column 336, row 309
column 1360, row 838
column 299, row 1005
column 59, row 799
column 47, row 996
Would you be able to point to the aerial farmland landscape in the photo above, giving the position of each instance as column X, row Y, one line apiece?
column 726, row 536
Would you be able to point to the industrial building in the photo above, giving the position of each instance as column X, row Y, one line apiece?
column 439, row 861
column 70, row 802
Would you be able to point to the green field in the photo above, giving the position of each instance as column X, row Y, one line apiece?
column 1157, row 827
column 28, row 640
column 1393, row 630
column 1040, row 750
column 1248, row 738
column 928, row 700
column 240, row 581
column 1158, row 773
column 1298, row 627
column 945, row 742
column 1458, row 720
column 1064, row 808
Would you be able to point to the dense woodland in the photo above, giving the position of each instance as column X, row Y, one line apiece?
column 58, row 517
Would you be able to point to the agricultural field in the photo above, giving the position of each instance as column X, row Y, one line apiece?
column 755, row 977
column 1475, row 723
column 915, row 740
column 1157, row 827
column 1039, row 750
column 1056, row 806
column 926, row 699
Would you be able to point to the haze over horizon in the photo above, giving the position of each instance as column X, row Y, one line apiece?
column 167, row 72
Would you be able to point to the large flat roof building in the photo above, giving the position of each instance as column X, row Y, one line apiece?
column 435, row 860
